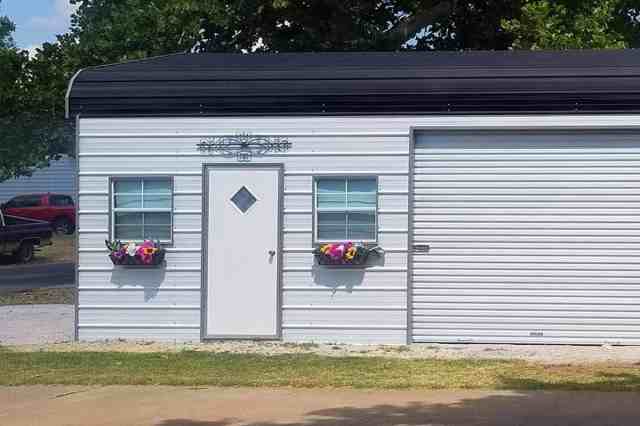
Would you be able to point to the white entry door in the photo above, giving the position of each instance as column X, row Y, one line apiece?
column 243, row 211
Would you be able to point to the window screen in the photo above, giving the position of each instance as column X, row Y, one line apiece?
column 142, row 209
column 346, row 209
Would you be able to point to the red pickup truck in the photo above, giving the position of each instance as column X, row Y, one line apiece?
column 57, row 209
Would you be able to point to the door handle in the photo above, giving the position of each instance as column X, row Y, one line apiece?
column 421, row 248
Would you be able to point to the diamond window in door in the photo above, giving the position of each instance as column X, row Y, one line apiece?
column 243, row 199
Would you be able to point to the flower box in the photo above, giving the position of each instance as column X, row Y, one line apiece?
column 147, row 254
column 344, row 254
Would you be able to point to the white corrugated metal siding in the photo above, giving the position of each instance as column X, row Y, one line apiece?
column 59, row 178
column 534, row 237
column 324, row 305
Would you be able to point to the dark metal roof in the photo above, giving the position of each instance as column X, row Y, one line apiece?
column 362, row 83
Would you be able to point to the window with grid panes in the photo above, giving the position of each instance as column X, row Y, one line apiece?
column 346, row 209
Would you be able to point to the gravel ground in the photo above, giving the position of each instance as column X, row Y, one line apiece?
column 36, row 324
column 50, row 328
column 552, row 355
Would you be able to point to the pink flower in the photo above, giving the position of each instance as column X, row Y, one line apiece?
column 337, row 251
column 145, row 252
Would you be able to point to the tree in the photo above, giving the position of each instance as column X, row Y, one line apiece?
column 6, row 28
column 107, row 31
column 458, row 25
column 298, row 25
column 573, row 24
column 31, row 127
column 111, row 30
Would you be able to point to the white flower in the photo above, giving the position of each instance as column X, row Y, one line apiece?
column 131, row 250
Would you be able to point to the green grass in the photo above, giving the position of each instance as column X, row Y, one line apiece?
column 64, row 296
column 61, row 250
column 311, row 371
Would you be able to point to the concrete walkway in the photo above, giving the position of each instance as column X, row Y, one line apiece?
column 182, row 406
column 36, row 324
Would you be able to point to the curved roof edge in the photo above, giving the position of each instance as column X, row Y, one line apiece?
column 348, row 83
column 67, row 109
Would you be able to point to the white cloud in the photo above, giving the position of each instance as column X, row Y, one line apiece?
column 32, row 49
column 57, row 22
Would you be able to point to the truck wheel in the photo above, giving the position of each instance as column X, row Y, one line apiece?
column 25, row 252
column 63, row 226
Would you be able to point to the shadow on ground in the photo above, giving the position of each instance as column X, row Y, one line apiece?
column 624, row 382
column 502, row 409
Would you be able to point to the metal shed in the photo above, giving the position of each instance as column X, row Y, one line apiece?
column 58, row 178
column 502, row 186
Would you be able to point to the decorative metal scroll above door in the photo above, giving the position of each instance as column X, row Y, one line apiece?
column 244, row 146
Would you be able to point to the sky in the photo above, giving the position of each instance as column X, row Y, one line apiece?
column 37, row 21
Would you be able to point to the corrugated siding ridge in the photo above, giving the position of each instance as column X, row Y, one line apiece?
column 528, row 273
column 356, row 314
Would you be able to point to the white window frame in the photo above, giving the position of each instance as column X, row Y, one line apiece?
column 316, row 210
column 113, row 210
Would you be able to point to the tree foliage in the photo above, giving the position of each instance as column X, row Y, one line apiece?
column 109, row 30
column 32, row 89
column 459, row 25
column 571, row 24
column 31, row 125
column 7, row 27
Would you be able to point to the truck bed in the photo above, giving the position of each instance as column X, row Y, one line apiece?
column 15, row 231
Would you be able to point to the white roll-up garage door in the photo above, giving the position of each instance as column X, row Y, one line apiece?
column 532, row 238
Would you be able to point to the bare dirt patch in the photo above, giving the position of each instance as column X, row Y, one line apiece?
column 39, row 296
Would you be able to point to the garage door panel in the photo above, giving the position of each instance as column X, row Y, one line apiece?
column 523, row 200
column 432, row 174
column 522, row 266
column 531, row 281
column 566, row 190
column 517, row 184
column 457, row 272
column 546, row 211
column 527, row 250
column 552, row 325
column 441, row 243
column 432, row 337
column 524, row 299
column 548, row 161
column 533, row 237
column 479, row 333
column 435, row 258
column 525, row 322
column 528, row 228
column 595, row 206
column 525, row 155
column 437, row 315
column 503, row 218
column 555, row 309
column 538, row 238
column 569, row 294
